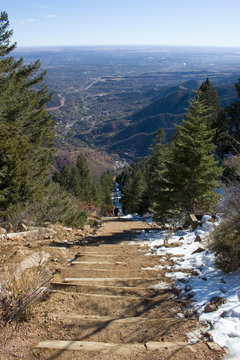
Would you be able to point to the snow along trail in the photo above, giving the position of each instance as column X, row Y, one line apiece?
column 224, row 323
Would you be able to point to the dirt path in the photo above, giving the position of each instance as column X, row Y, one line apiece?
column 103, row 306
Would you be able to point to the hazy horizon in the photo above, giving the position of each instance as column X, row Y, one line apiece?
column 129, row 22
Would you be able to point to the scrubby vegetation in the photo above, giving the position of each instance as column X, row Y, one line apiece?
column 21, row 289
column 226, row 237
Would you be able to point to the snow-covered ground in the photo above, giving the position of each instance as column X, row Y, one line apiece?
column 207, row 282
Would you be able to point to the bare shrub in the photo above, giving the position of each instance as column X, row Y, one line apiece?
column 226, row 237
column 21, row 289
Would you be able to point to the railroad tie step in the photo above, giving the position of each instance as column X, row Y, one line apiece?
column 121, row 320
column 103, row 287
column 129, row 297
column 98, row 263
column 94, row 255
column 112, row 347
column 67, row 280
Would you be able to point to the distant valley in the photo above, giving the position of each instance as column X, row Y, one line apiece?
column 112, row 100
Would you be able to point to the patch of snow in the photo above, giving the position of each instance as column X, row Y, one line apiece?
column 160, row 285
column 224, row 323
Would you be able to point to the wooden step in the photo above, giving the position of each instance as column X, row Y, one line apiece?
column 94, row 255
column 106, row 289
column 112, row 347
column 144, row 271
column 120, row 281
column 107, row 279
column 121, row 320
column 97, row 263
column 130, row 297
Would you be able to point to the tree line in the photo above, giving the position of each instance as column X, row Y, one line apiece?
column 27, row 149
column 181, row 176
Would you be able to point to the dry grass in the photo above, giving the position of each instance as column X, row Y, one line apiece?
column 21, row 289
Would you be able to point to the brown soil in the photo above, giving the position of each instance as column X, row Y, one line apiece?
column 75, row 311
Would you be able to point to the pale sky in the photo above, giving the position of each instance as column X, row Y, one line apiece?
column 124, row 22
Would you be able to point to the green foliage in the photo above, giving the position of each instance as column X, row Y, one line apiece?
column 105, row 188
column 78, row 181
column 190, row 170
column 133, row 185
column 217, row 119
column 58, row 205
column 233, row 115
column 26, row 128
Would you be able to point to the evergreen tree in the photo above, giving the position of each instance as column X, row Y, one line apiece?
column 233, row 116
column 86, row 188
column 133, row 191
column 216, row 116
column 26, row 128
column 189, row 178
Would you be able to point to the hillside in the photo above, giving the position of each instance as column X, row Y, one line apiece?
column 114, row 99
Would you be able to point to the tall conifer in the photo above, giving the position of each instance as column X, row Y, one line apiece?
column 26, row 128
column 190, row 176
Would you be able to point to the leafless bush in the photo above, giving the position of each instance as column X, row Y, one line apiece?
column 229, row 205
column 21, row 289
column 226, row 237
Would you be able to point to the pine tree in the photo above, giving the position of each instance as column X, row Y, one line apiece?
column 84, row 177
column 189, row 178
column 26, row 128
column 133, row 190
column 233, row 116
column 216, row 116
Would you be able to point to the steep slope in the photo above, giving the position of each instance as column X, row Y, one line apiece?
column 162, row 113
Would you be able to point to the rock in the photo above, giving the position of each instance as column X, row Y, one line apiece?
column 2, row 231
column 67, row 228
column 198, row 238
column 23, row 234
column 179, row 316
column 198, row 250
column 213, row 346
column 33, row 260
column 206, row 218
column 188, row 287
column 22, row 227
column 214, row 304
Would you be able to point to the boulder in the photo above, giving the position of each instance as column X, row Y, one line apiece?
column 198, row 238
column 198, row 250
column 33, row 260
column 214, row 304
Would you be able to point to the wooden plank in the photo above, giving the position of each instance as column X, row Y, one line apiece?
column 95, row 255
column 127, row 296
column 111, row 347
column 108, row 279
column 122, row 320
column 124, row 288
column 98, row 263
column 89, row 346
